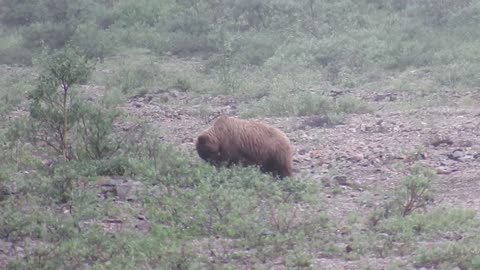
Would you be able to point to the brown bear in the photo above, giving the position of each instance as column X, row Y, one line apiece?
column 233, row 141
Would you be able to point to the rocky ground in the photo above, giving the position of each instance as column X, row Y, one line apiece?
column 363, row 157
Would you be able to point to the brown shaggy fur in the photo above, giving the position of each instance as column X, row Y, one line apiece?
column 233, row 141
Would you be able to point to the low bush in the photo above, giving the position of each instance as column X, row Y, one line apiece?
column 306, row 104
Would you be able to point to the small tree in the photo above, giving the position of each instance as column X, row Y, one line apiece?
column 54, row 109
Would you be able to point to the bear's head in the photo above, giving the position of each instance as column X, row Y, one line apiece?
column 208, row 149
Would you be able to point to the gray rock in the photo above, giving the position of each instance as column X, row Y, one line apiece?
column 143, row 226
column 456, row 154
column 444, row 170
column 123, row 191
column 341, row 180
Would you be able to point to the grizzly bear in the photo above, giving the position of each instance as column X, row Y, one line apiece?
column 233, row 141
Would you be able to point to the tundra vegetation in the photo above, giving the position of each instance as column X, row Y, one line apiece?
column 87, row 184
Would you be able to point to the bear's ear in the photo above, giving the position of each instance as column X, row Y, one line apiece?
column 202, row 139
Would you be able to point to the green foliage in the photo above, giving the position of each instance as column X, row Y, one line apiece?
column 93, row 42
column 90, row 126
column 133, row 77
column 241, row 204
column 415, row 190
column 238, row 203
column 143, row 13
column 412, row 194
column 226, row 72
column 99, row 249
column 351, row 104
column 50, row 23
column 51, row 34
column 345, row 41
column 458, row 75
column 12, row 51
column 14, row 84
column 96, row 130
column 115, row 166
column 54, row 22
column 39, row 225
column 282, row 55
column 463, row 254
column 307, row 103
column 432, row 223
column 18, row 12
column 54, row 109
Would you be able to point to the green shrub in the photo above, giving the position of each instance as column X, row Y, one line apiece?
column 98, row 249
column 458, row 74
column 14, row 85
column 143, row 12
column 463, row 254
column 189, row 24
column 130, row 78
column 184, row 44
column 232, row 203
column 96, row 130
column 53, row 110
column 16, row 55
column 51, row 34
column 432, row 223
column 35, row 222
column 12, row 50
column 115, row 166
column 94, row 43
column 351, row 104
column 255, row 49
column 17, row 13
column 436, row 13
column 304, row 104
column 105, row 16
column 412, row 194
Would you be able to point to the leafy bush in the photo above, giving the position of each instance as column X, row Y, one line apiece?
column 94, row 43
column 143, row 12
column 96, row 130
column 255, row 49
column 431, row 224
column 51, row 34
column 12, row 50
column 184, row 44
column 130, row 78
column 42, row 23
column 236, row 203
column 39, row 225
column 55, row 113
column 14, row 84
column 463, row 254
column 414, row 193
column 15, row 13
column 458, row 75
column 53, row 109
column 115, row 166
column 305, row 104
column 96, row 248
column 436, row 13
